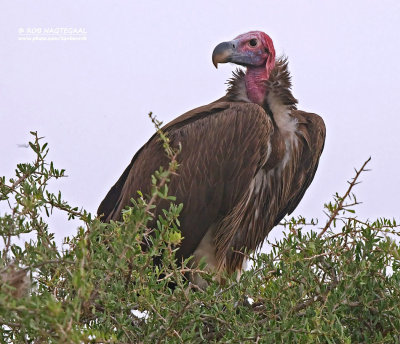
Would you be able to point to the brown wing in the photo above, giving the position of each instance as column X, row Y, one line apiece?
column 223, row 146
column 110, row 208
column 311, row 133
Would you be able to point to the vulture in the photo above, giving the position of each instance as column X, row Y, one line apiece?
column 246, row 159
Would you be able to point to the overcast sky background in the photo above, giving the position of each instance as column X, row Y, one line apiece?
column 90, row 99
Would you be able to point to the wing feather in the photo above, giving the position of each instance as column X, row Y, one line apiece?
column 311, row 133
column 223, row 147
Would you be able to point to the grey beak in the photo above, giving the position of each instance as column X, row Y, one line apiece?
column 223, row 52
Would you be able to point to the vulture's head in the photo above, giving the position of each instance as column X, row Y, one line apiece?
column 253, row 49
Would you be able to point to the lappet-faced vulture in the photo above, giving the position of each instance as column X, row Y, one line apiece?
column 246, row 160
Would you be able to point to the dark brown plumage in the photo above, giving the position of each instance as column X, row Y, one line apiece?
column 244, row 166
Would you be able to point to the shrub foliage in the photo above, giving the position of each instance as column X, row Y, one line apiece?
column 335, row 284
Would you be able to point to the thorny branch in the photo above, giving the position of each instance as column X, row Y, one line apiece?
column 340, row 206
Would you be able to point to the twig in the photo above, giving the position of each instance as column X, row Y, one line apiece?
column 340, row 204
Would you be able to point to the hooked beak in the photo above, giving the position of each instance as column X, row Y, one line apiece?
column 224, row 52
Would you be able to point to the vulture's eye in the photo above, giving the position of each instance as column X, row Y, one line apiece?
column 253, row 42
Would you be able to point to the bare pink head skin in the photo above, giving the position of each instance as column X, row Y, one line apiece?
column 254, row 50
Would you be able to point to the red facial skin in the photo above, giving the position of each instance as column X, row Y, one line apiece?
column 259, row 60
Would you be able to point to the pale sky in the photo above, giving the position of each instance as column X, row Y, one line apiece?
column 90, row 99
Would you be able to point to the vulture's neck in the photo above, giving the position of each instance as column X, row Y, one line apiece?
column 273, row 94
column 255, row 81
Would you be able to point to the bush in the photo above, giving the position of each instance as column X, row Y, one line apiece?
column 338, row 284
